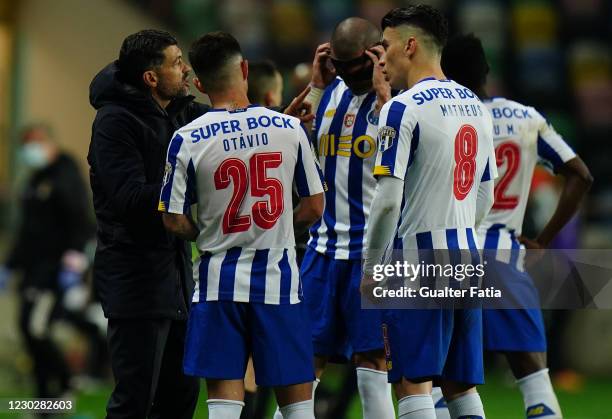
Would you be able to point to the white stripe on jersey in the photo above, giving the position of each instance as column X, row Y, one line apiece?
column 345, row 141
column 240, row 167
column 522, row 138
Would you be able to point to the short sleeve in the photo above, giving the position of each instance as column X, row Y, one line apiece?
column 308, row 176
column 553, row 151
column 178, row 190
column 398, row 138
column 490, row 172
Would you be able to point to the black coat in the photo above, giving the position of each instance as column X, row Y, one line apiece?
column 140, row 270
column 55, row 218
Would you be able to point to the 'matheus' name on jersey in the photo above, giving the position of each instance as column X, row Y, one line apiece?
column 458, row 109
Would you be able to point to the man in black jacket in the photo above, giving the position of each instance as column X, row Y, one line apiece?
column 142, row 274
column 48, row 250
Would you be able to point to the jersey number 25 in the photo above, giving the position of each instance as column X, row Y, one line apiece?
column 265, row 212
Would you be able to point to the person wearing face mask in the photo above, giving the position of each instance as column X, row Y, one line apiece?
column 53, row 231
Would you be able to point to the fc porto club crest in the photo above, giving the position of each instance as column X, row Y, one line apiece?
column 386, row 136
column 349, row 120
column 372, row 118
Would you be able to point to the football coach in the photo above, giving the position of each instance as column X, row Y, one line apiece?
column 141, row 273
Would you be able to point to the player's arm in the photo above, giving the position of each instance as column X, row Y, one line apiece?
column 486, row 188
column 578, row 181
column 554, row 153
column 178, row 191
column 382, row 222
column 309, row 210
column 395, row 135
column 181, row 225
column 309, row 185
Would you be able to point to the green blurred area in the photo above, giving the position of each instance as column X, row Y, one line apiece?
column 500, row 396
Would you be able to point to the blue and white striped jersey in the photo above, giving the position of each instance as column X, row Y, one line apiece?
column 522, row 138
column 344, row 139
column 438, row 138
column 239, row 168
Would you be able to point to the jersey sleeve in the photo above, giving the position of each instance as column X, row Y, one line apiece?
column 178, row 191
column 553, row 151
column 398, row 138
column 308, row 176
column 490, row 172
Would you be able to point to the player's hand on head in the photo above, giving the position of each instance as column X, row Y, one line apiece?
column 300, row 109
column 323, row 71
column 379, row 82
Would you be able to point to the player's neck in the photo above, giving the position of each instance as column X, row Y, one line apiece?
column 425, row 71
column 230, row 100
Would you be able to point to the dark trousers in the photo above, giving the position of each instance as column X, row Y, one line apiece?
column 147, row 363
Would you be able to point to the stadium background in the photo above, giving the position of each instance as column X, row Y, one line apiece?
column 553, row 54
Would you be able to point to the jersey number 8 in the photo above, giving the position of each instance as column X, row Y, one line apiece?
column 466, row 146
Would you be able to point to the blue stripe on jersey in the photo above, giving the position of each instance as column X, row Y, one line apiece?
column 227, row 276
column 426, row 255
column 355, row 182
column 492, row 237
column 319, row 117
column 394, row 120
column 203, row 275
column 301, row 182
column 516, row 247
column 329, row 215
column 474, row 280
column 285, row 278
column 173, row 150
column 414, row 144
column 486, row 176
column 454, row 255
column 259, row 267
column 321, row 110
column 191, row 192
column 546, row 152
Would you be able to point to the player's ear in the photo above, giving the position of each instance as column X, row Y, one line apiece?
column 244, row 66
column 410, row 46
column 198, row 84
column 149, row 78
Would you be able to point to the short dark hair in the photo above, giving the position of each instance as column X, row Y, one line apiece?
column 142, row 51
column 210, row 53
column 425, row 17
column 464, row 60
column 261, row 75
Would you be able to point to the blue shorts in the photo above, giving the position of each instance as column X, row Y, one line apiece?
column 222, row 334
column 426, row 344
column 520, row 329
column 340, row 327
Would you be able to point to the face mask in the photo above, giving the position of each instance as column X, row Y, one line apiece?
column 34, row 155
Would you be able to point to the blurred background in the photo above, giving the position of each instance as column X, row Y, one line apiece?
column 555, row 55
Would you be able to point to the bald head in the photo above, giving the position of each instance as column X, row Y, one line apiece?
column 352, row 36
